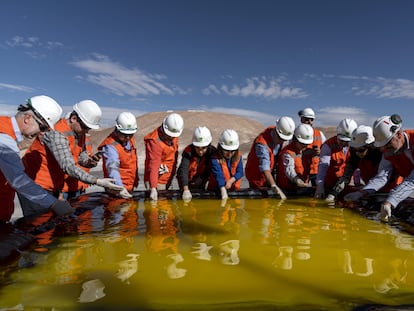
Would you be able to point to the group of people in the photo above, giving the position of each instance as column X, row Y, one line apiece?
column 286, row 158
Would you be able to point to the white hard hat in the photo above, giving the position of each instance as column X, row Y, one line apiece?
column 229, row 140
column 45, row 108
column 345, row 128
column 384, row 129
column 201, row 137
column 307, row 113
column 173, row 125
column 89, row 112
column 361, row 136
column 126, row 123
column 304, row 133
column 285, row 126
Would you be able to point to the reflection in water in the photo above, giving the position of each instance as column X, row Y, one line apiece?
column 256, row 253
column 127, row 268
column 91, row 291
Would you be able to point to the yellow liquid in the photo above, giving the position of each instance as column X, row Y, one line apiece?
column 243, row 254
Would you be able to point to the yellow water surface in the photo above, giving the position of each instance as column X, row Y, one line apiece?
column 242, row 254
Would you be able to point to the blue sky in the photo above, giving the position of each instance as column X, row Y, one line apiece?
column 260, row 59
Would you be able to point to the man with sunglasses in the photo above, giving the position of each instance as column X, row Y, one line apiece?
column 49, row 160
column 397, row 158
column 39, row 113
column 85, row 116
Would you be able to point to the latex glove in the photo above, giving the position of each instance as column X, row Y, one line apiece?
column 301, row 183
column 330, row 198
column 163, row 169
column 223, row 192
column 125, row 194
column 154, row 194
column 339, row 187
column 62, row 208
column 108, row 183
column 386, row 211
column 187, row 195
column 353, row 196
column 279, row 191
column 320, row 191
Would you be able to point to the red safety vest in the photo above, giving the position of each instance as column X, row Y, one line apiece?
column 337, row 164
column 212, row 183
column 302, row 167
column 6, row 191
column 42, row 167
column 169, row 155
column 254, row 176
column 76, row 147
column 128, row 161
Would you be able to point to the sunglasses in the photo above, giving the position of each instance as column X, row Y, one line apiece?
column 42, row 127
column 304, row 119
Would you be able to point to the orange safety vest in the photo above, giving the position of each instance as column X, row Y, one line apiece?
column 128, row 161
column 197, row 165
column 42, row 167
column 317, row 142
column 169, row 155
column 6, row 191
column 76, row 147
column 212, row 183
column 254, row 176
column 337, row 164
column 302, row 167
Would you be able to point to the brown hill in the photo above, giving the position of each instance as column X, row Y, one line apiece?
column 247, row 128
column 216, row 122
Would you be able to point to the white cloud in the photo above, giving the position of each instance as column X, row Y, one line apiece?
column 32, row 42
column 122, row 81
column 258, row 87
column 331, row 116
column 378, row 87
column 264, row 118
column 15, row 87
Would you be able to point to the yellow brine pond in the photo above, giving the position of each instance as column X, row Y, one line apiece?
column 241, row 254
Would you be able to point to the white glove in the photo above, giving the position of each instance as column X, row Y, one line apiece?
column 223, row 193
column 163, row 169
column 386, row 211
column 154, row 194
column 330, row 198
column 108, row 183
column 125, row 194
column 353, row 196
column 320, row 191
column 301, row 183
column 187, row 195
column 279, row 191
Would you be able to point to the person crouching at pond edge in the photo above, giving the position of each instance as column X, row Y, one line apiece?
column 161, row 154
column 226, row 164
column 293, row 167
column 195, row 167
column 119, row 154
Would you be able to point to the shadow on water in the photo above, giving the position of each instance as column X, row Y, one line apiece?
column 241, row 254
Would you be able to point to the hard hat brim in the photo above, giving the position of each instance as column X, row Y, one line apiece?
column 285, row 137
column 305, row 141
column 172, row 134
